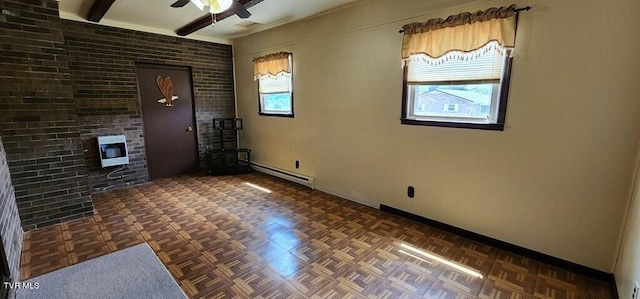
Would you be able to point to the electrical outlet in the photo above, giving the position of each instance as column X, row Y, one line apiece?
column 636, row 289
column 411, row 191
column 297, row 164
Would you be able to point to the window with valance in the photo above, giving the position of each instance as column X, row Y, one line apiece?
column 457, row 70
column 274, row 74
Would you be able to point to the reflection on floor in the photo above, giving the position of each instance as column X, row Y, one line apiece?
column 221, row 237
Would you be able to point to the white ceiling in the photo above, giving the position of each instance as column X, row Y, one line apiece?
column 158, row 17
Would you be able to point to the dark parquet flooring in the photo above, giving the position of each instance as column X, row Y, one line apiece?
column 222, row 238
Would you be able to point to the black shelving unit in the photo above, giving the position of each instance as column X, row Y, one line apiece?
column 225, row 157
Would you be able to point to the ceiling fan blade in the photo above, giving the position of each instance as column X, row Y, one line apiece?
column 240, row 10
column 180, row 3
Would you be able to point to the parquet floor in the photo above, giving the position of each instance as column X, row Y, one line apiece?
column 222, row 238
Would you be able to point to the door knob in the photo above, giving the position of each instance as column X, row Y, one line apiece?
column 190, row 129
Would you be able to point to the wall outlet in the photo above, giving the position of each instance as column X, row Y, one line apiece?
column 297, row 164
column 411, row 191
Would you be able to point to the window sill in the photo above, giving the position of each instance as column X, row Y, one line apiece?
column 461, row 125
column 275, row 114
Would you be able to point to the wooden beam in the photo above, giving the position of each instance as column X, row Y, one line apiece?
column 196, row 25
column 206, row 20
column 180, row 3
column 99, row 9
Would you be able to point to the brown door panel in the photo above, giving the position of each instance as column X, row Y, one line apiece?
column 170, row 135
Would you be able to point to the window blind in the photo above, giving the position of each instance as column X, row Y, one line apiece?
column 487, row 66
column 280, row 84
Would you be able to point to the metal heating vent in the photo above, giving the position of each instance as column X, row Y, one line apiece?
column 287, row 175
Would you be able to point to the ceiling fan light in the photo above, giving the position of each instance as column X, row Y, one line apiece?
column 218, row 6
column 198, row 3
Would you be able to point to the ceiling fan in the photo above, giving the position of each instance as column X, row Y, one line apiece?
column 217, row 6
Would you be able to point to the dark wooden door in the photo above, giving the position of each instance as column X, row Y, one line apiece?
column 169, row 127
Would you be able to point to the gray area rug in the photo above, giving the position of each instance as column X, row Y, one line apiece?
column 135, row 272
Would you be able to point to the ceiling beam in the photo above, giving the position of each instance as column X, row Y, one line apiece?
column 99, row 9
column 206, row 20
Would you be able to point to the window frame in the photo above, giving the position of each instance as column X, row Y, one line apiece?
column 502, row 100
column 275, row 114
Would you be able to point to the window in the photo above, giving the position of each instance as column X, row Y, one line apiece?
column 457, row 91
column 276, row 96
column 456, row 71
column 452, row 108
column 275, row 84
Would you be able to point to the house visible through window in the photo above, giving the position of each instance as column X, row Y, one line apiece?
column 451, row 108
column 275, row 84
column 456, row 71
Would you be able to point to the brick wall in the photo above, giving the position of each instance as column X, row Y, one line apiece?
column 38, row 119
column 10, row 230
column 102, row 62
column 63, row 83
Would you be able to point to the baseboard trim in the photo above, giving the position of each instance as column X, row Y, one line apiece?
column 545, row 258
column 614, row 287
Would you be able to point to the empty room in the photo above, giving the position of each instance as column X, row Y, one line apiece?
column 319, row 149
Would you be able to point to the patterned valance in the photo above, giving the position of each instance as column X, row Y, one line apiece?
column 462, row 36
column 272, row 66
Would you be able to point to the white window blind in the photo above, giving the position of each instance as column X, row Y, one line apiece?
column 280, row 84
column 487, row 66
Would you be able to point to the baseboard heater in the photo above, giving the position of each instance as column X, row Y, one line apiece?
column 286, row 175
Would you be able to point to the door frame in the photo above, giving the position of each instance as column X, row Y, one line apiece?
column 193, row 107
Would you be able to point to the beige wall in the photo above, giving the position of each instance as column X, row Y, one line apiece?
column 558, row 178
column 627, row 269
